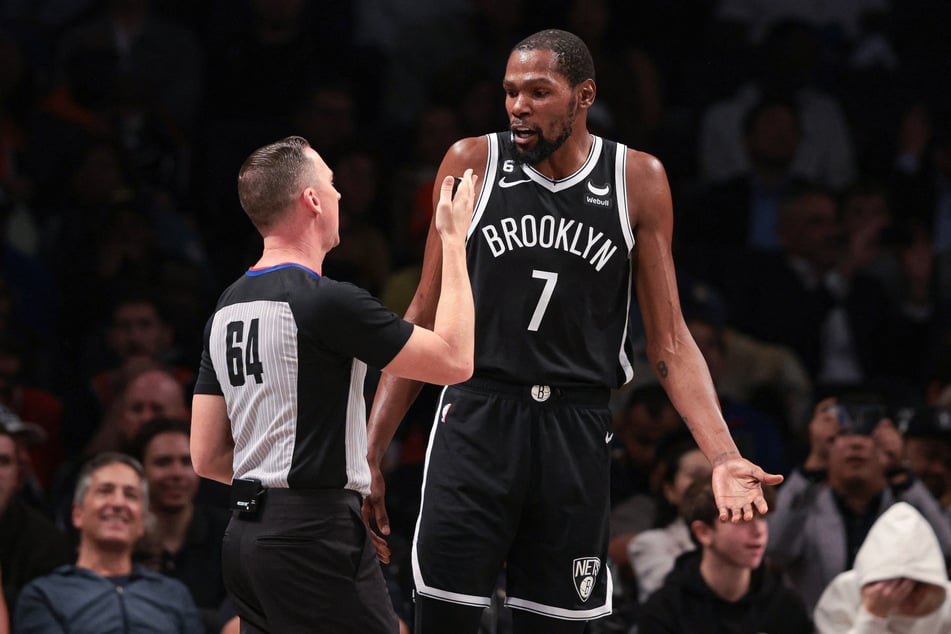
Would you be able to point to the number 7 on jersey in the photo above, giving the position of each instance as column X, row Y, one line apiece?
column 550, row 280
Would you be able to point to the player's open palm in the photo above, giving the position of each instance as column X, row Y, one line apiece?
column 737, row 486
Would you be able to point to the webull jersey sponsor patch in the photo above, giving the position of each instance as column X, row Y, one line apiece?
column 585, row 573
column 596, row 196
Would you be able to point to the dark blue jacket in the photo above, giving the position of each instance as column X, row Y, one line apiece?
column 78, row 601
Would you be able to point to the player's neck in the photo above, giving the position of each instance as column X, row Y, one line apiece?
column 569, row 158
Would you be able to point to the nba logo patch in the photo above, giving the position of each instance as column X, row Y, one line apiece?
column 445, row 412
column 585, row 573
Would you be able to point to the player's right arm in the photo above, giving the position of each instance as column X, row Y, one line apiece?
column 394, row 395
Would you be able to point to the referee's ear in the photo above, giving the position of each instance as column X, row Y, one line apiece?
column 310, row 198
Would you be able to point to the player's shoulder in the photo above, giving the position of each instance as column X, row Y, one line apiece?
column 469, row 150
column 642, row 165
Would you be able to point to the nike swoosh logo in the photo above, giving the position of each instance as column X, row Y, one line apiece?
column 504, row 183
column 598, row 191
column 608, row 437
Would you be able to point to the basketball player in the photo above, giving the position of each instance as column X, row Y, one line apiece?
column 278, row 411
column 518, row 461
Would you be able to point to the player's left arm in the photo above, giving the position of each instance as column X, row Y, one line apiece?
column 212, row 446
column 673, row 354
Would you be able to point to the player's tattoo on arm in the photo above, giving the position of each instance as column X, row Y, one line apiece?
column 662, row 369
column 723, row 457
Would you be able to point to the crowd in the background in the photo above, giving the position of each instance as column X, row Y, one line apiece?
column 808, row 147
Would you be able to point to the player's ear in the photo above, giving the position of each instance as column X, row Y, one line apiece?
column 586, row 93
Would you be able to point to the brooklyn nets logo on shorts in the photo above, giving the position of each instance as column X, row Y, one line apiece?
column 541, row 393
column 585, row 571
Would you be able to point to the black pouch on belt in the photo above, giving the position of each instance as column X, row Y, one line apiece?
column 247, row 496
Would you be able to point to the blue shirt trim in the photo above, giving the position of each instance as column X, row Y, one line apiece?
column 289, row 265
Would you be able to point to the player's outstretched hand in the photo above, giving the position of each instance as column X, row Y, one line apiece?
column 374, row 514
column 737, row 487
column 454, row 211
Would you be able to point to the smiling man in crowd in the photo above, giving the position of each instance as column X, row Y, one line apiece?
column 108, row 510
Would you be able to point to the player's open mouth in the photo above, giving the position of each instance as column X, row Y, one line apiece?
column 522, row 134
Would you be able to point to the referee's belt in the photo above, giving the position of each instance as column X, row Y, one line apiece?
column 248, row 497
column 540, row 393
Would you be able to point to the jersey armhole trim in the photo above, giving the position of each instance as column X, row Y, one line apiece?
column 488, row 182
column 620, row 178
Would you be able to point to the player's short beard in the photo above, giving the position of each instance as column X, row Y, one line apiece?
column 545, row 147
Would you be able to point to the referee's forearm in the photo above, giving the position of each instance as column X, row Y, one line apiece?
column 455, row 312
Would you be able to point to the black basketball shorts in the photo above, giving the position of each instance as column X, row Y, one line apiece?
column 517, row 477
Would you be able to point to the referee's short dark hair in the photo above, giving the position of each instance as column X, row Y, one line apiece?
column 104, row 460
column 270, row 178
column 574, row 59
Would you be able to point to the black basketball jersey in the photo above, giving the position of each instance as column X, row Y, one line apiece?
column 550, row 268
column 288, row 350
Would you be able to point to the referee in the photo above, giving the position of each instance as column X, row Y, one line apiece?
column 279, row 413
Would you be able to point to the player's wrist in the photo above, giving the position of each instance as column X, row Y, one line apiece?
column 724, row 457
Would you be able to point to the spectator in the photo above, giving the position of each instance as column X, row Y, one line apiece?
column 899, row 583
column 152, row 394
column 182, row 539
column 149, row 395
column 140, row 340
column 363, row 256
column 756, row 432
column 646, row 417
column 866, row 214
column 30, row 545
column 937, row 383
column 722, row 586
column 436, row 128
column 842, row 19
column 921, row 188
column 652, row 553
column 129, row 49
column 32, row 403
column 741, row 212
column 108, row 510
column 138, row 336
column 927, row 436
column 921, row 182
column 786, row 70
column 28, row 437
column 840, row 323
column 327, row 117
column 819, row 523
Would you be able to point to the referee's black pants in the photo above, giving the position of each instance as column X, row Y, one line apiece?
column 306, row 564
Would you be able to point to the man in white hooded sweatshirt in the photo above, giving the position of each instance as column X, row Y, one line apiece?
column 899, row 584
